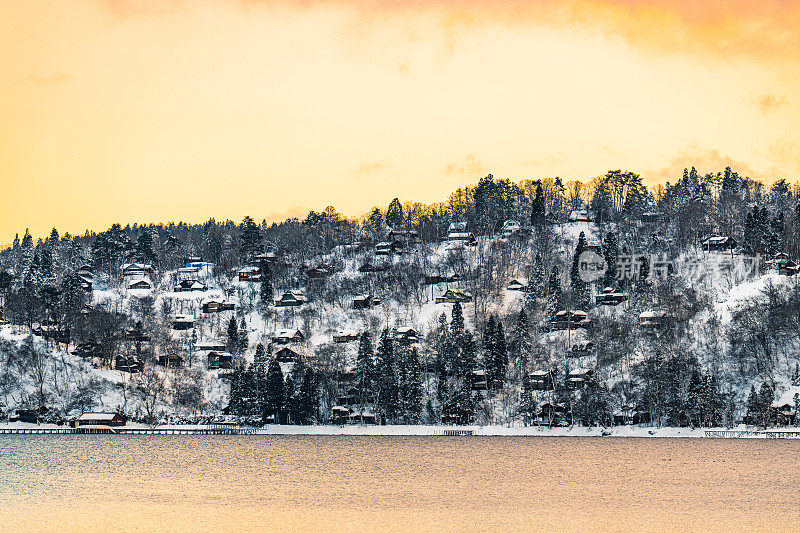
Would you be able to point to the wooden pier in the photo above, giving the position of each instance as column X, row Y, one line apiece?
column 458, row 432
column 214, row 429
column 745, row 434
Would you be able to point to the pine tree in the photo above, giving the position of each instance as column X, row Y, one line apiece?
column 365, row 372
column 273, row 395
column 249, row 237
column 457, row 320
column 233, row 336
column 266, row 290
column 394, row 214
column 521, row 344
column 538, row 207
column 386, row 374
column 579, row 287
column 243, row 339
column 610, row 252
column 410, row 384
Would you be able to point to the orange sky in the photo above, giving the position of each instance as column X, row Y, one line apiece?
column 123, row 110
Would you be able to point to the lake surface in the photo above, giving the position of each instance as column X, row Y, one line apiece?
column 329, row 483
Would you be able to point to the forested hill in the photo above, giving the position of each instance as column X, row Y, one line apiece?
column 595, row 303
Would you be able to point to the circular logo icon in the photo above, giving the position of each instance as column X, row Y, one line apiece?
column 591, row 266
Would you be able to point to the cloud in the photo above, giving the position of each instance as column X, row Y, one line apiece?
column 50, row 79
column 370, row 169
column 293, row 212
column 769, row 102
column 705, row 161
column 767, row 29
column 470, row 167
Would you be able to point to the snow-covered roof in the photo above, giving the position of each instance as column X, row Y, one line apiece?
column 97, row 416
column 287, row 333
column 456, row 227
column 248, row 269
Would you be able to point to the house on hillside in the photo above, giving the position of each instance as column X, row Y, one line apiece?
column 465, row 237
column 436, row 279
column 131, row 365
column 366, row 301
column 577, row 378
column 170, row 360
column 322, row 271
column 291, row 299
column 581, row 215
column 541, row 380
column 219, row 360
column 191, row 285
column 581, row 349
column 182, row 322
column 140, row 284
column 518, row 284
column 249, row 274
column 610, row 296
column 287, row 355
column 718, row 243
column 565, row 320
column 285, row 336
column 655, row 318
column 405, row 335
column 344, row 336
column 452, row 296
column 510, row 228
column 408, row 235
column 369, row 267
column 130, row 270
column 389, row 247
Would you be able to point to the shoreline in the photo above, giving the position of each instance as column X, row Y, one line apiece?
column 422, row 430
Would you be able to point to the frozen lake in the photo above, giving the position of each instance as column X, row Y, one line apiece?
column 342, row 483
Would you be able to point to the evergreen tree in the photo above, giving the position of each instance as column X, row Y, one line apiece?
column 266, row 290
column 242, row 338
column 386, row 374
column 144, row 246
column 233, row 336
column 579, row 287
column 610, row 252
column 249, row 237
column 273, row 395
column 538, row 207
column 410, row 384
column 457, row 320
column 394, row 214
column 365, row 372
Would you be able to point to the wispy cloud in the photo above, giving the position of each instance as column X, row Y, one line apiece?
column 470, row 167
column 50, row 79
column 705, row 161
column 769, row 102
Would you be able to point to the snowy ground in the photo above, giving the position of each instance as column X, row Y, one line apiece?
column 430, row 430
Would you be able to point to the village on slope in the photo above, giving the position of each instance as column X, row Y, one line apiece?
column 532, row 304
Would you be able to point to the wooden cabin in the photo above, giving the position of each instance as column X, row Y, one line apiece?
column 346, row 336
column 388, row 247
column 477, row 379
column 406, row 335
column 510, row 228
column 541, row 380
column 99, row 419
column 718, row 243
column 182, row 322
column 518, row 284
column 287, row 355
column 190, row 285
column 219, row 360
column 140, row 284
column 610, row 296
column 369, row 267
column 285, row 336
column 576, row 379
column 435, row 279
column 291, row 299
column 170, row 360
column 566, row 320
column 581, row 215
column 581, row 349
column 249, row 274
column 211, row 306
column 366, row 301
column 466, row 238
column 137, row 270
column 452, row 296
column 130, row 365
